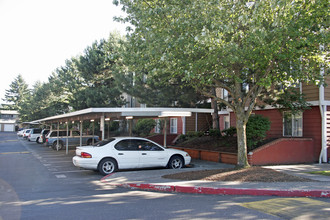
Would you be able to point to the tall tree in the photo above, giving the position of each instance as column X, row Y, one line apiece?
column 158, row 91
column 47, row 99
column 17, row 93
column 96, row 68
column 140, row 82
column 242, row 46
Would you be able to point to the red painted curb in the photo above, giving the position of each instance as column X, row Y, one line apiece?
column 145, row 186
column 228, row 191
column 254, row 192
column 103, row 180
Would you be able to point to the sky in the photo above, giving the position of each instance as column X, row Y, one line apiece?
column 37, row 36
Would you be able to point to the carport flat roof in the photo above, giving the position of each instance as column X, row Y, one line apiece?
column 91, row 113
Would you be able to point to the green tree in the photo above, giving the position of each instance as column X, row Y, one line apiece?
column 47, row 100
column 144, row 126
column 157, row 91
column 96, row 68
column 17, row 93
column 241, row 46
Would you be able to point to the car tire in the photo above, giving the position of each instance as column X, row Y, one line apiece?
column 38, row 140
column 175, row 162
column 60, row 145
column 107, row 166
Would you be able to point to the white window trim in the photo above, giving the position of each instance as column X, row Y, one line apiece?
column 173, row 126
column 292, row 125
column 157, row 127
column 224, row 121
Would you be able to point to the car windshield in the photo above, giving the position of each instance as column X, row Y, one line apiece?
column 104, row 142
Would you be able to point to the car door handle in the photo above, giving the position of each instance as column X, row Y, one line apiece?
column 120, row 154
column 144, row 153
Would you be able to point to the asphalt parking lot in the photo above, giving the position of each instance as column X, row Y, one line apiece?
column 64, row 179
column 58, row 163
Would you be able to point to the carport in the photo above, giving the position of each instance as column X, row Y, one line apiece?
column 107, row 114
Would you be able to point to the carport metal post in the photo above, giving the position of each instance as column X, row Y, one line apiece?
column 130, row 124
column 81, row 133
column 165, row 131
column 58, row 134
column 67, row 138
column 102, row 126
column 93, row 131
column 108, row 119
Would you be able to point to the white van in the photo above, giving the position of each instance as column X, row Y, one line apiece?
column 34, row 134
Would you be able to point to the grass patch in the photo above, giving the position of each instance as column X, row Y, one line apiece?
column 325, row 173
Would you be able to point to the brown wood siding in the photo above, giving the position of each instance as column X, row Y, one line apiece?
column 276, row 119
column 327, row 89
column 190, row 123
column 274, row 115
column 312, row 128
column 204, row 122
column 311, row 92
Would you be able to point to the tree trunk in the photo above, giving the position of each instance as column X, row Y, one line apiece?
column 242, row 160
column 215, row 115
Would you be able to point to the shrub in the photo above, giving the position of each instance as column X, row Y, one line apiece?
column 181, row 139
column 191, row 134
column 256, row 129
column 144, row 126
column 114, row 125
column 229, row 132
column 214, row 132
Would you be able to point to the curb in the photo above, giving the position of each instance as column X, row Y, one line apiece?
column 225, row 191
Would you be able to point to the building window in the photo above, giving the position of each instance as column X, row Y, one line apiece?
column 292, row 124
column 157, row 127
column 226, row 121
column 174, row 126
column 225, row 94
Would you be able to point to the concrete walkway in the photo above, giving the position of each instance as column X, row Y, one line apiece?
column 152, row 180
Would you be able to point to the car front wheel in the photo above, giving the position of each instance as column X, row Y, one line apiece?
column 107, row 166
column 175, row 162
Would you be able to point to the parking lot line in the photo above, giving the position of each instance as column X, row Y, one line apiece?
column 21, row 152
column 73, row 171
column 55, row 161
column 60, row 176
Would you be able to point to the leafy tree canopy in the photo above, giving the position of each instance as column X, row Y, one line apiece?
column 96, row 69
column 241, row 46
column 17, row 93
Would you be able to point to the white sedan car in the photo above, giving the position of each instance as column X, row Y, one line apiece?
column 128, row 153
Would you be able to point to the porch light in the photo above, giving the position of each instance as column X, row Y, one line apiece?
column 129, row 117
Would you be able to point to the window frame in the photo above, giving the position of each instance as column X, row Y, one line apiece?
column 296, row 124
column 157, row 126
column 173, row 126
column 226, row 120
